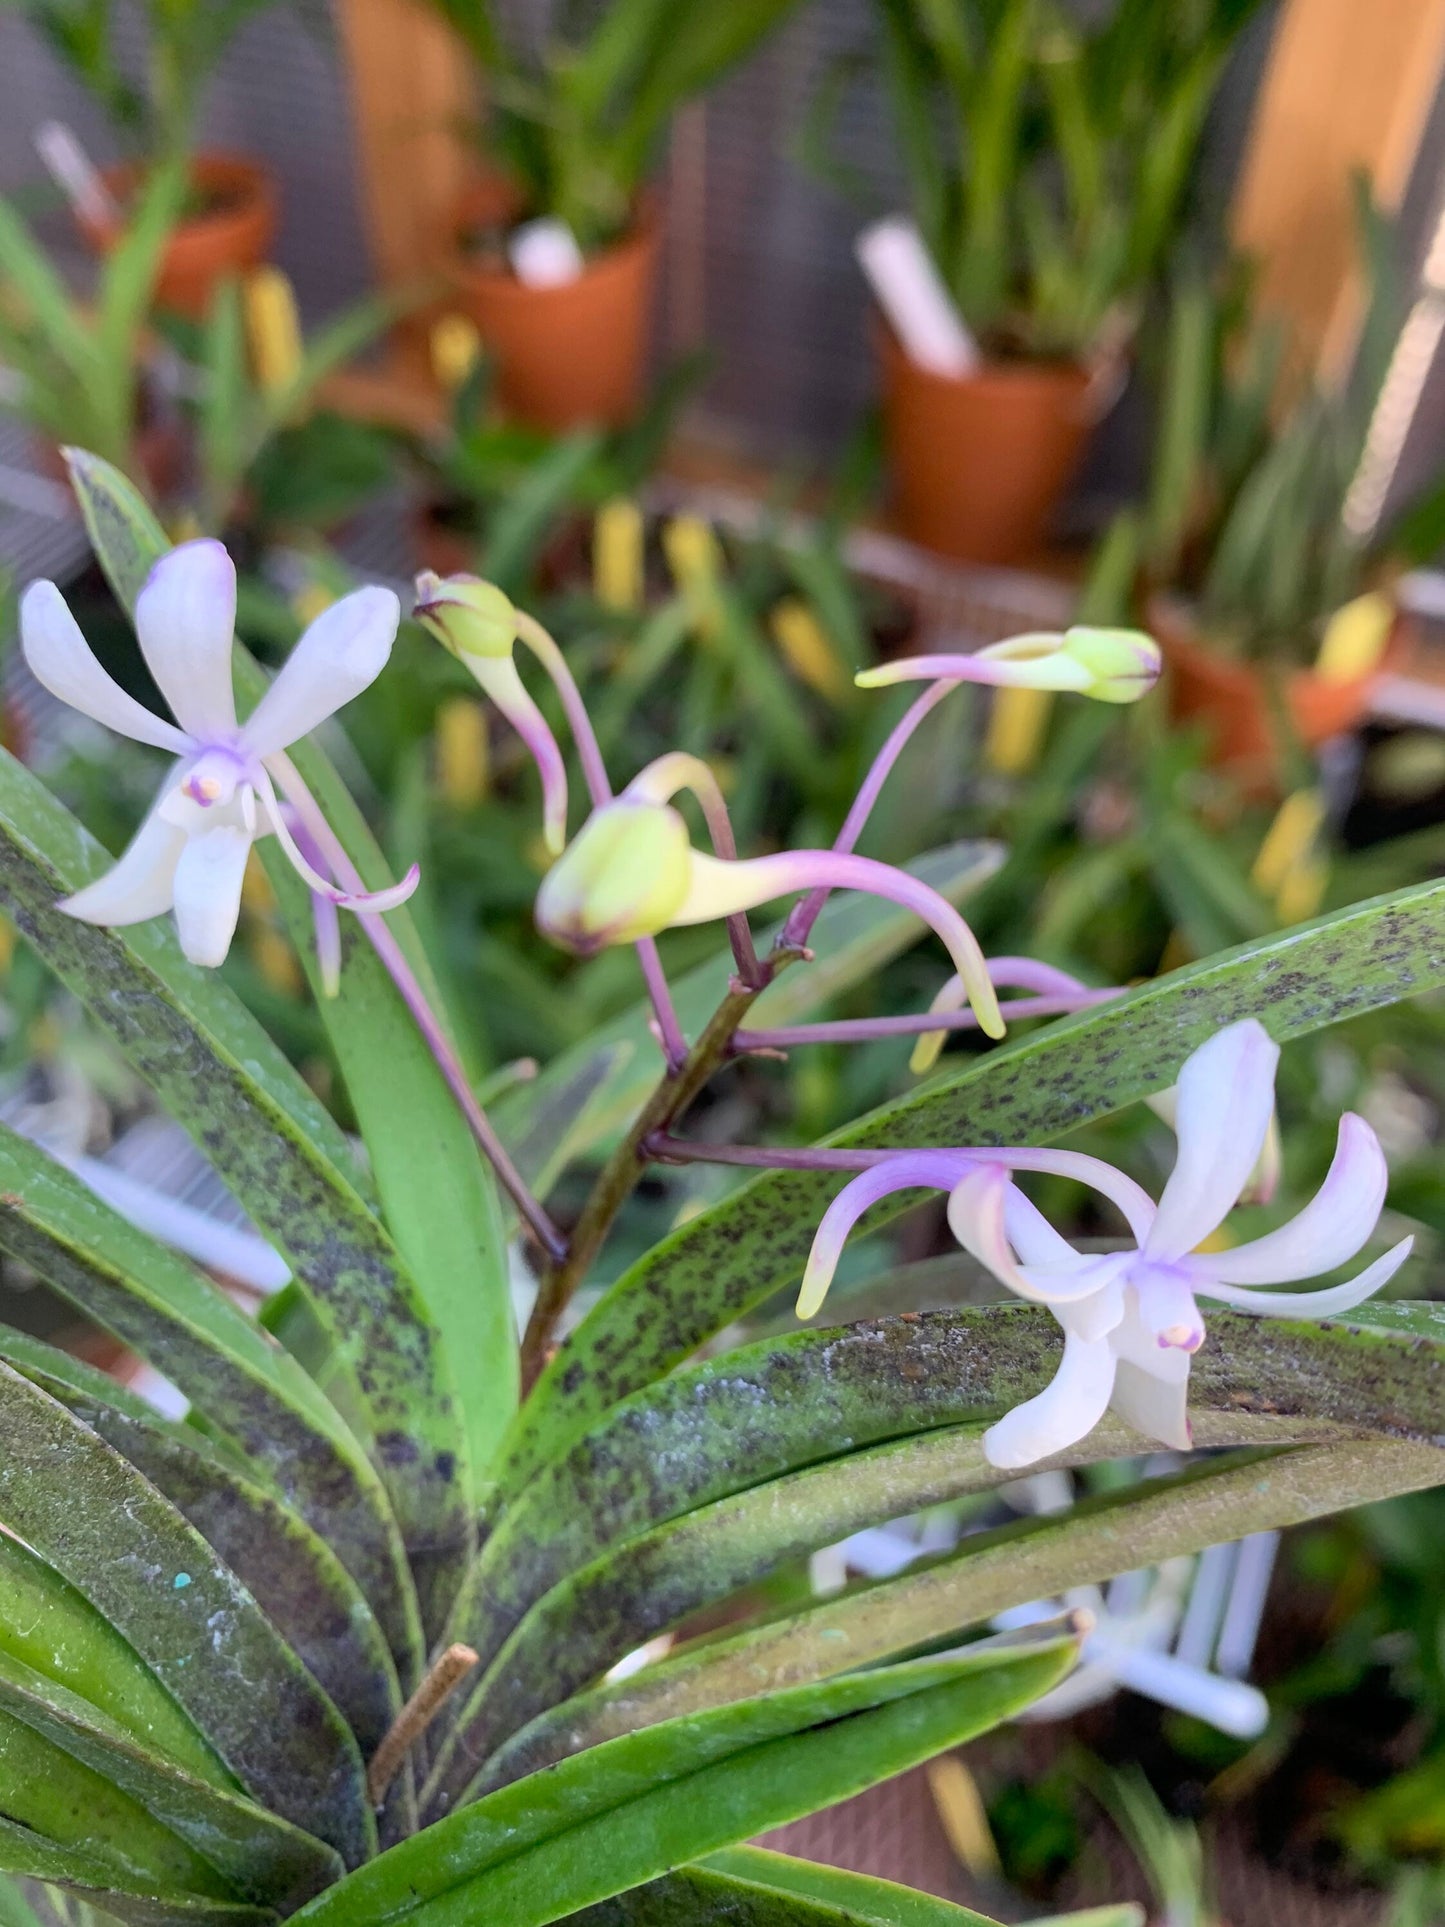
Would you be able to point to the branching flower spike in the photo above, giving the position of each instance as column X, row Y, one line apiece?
column 1131, row 1318
column 189, row 854
column 631, row 872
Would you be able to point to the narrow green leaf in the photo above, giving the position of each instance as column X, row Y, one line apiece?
column 593, row 1091
column 873, row 1903
column 750, row 1887
column 1221, row 1499
column 731, row 1257
column 602, row 1550
column 639, row 1807
column 34, row 1858
column 260, row 1857
column 293, row 1575
column 256, row 1396
column 92, row 1517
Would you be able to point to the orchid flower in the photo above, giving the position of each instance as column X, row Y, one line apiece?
column 478, row 624
column 1111, row 665
column 189, row 855
column 1131, row 1318
column 631, row 872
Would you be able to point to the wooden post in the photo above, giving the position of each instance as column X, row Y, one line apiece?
column 1349, row 86
column 412, row 94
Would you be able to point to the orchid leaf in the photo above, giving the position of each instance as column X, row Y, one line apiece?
column 221, row 1077
column 1120, row 1531
column 92, row 1878
column 256, row 1396
column 260, row 1857
column 731, row 1257
column 590, row 1093
column 636, row 1809
column 292, row 1574
column 453, row 1303
column 600, row 1552
column 92, row 1517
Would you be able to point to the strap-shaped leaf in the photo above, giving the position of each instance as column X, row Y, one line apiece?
column 384, row 1331
column 592, row 1092
column 292, row 1574
column 32, row 1857
column 753, row 1887
column 96, row 1521
column 219, row 1075
column 251, row 1391
column 725, row 1260
column 1221, row 1499
column 260, row 1857
column 586, row 1565
column 533, row 1853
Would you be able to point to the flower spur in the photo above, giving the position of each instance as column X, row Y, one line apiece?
column 189, row 855
column 1131, row 1319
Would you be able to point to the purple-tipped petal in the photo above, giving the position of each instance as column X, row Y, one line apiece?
column 719, row 888
column 1328, row 1232
column 185, row 617
column 1066, row 1411
column 977, row 1217
column 327, row 926
column 374, row 902
column 61, row 661
column 910, row 1170
column 1222, row 1113
column 1328, row 1303
column 341, row 653
column 208, row 893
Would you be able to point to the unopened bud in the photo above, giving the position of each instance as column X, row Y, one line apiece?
column 466, row 615
column 1121, row 664
column 625, row 875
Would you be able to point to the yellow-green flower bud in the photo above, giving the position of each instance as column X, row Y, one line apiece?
column 625, row 875
column 1121, row 664
column 466, row 615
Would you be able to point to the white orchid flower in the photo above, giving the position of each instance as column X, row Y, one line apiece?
column 1131, row 1318
column 189, row 855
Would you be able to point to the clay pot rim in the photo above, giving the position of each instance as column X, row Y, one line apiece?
column 253, row 182
column 998, row 373
column 501, row 284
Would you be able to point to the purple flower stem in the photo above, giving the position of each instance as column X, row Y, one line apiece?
column 393, row 959
column 545, row 648
column 865, row 1030
column 799, row 926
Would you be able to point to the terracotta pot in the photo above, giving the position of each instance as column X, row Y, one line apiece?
column 571, row 356
column 1234, row 700
column 979, row 461
column 232, row 236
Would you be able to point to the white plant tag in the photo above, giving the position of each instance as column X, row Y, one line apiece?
column 545, row 254
column 911, row 293
column 74, row 173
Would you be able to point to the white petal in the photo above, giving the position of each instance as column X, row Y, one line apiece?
column 1030, row 1233
column 1328, row 1303
column 1226, row 1095
column 1328, row 1232
column 1063, row 1413
column 139, row 885
column 976, row 1217
column 1156, row 1406
column 342, row 653
column 208, row 893
column 61, row 661
column 185, row 617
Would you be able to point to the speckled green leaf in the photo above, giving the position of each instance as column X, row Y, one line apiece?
column 293, row 1575
column 1211, row 1502
column 219, row 1075
column 253, row 1393
column 709, row 1448
column 92, row 1517
column 751, row 1887
column 598, row 1825
column 381, row 1326
column 33, row 1858
column 591, row 1092
column 259, row 1857
column 729, row 1258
